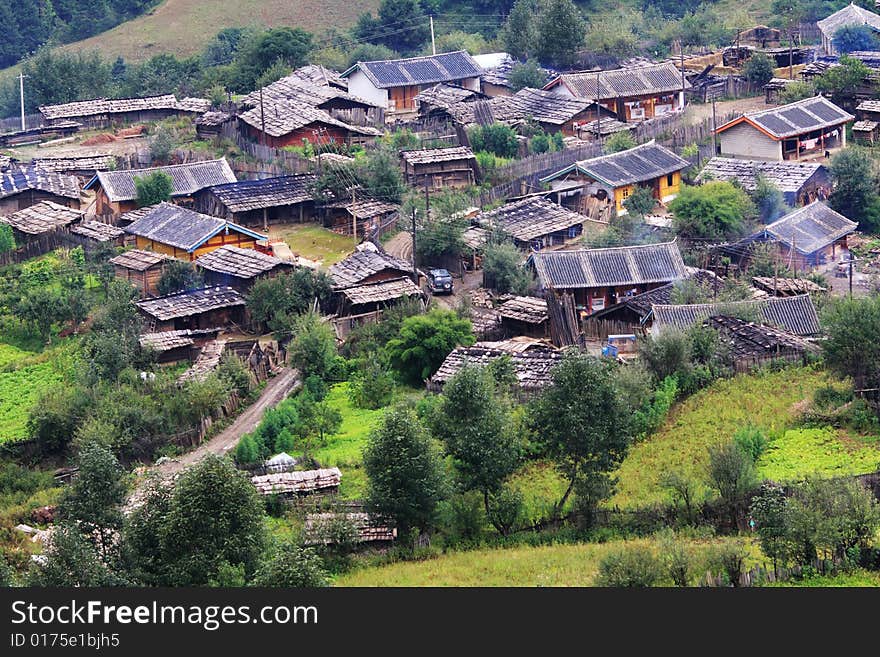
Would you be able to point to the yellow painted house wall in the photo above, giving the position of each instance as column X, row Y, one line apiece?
column 620, row 195
column 667, row 190
column 660, row 186
column 234, row 238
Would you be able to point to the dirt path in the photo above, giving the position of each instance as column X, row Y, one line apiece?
column 277, row 389
column 400, row 245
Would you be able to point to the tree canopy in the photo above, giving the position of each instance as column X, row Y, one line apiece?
column 716, row 209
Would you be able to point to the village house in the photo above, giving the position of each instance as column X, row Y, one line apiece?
column 796, row 315
column 321, row 76
column 368, row 266
column 534, row 223
column 851, row 15
column 358, row 216
column 185, row 234
column 366, row 528
column 394, row 84
column 297, row 90
column 209, row 307
column 102, row 112
column 809, row 236
column 374, row 297
column 260, row 202
column 23, row 186
column 435, row 101
column 440, row 168
column 232, row 266
column 288, row 123
column 81, row 166
column 634, row 93
column 115, row 191
column 787, row 287
column 210, row 124
column 754, row 345
column 800, row 182
column 806, row 129
column 143, row 269
column 177, row 346
column 92, row 235
column 40, row 219
column 596, row 186
column 599, row 278
column 524, row 316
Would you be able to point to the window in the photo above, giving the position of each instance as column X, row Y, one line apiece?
column 670, row 180
column 624, row 193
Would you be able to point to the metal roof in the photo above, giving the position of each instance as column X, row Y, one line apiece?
column 24, row 178
column 429, row 69
column 795, row 118
column 530, row 218
column 626, row 82
column 183, row 228
column 625, row 265
column 640, row 164
column 794, row 314
column 192, row 302
column 186, row 178
column 810, row 228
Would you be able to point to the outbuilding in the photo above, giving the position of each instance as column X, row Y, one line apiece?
column 203, row 308
column 239, row 268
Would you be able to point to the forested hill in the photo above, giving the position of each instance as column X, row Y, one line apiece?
column 28, row 24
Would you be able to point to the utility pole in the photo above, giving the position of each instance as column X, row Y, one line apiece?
column 598, row 111
column 415, row 271
column 714, row 127
column 262, row 120
column 427, row 200
column 850, row 275
column 21, row 77
column 433, row 44
column 354, row 217
column 681, row 51
column 791, row 53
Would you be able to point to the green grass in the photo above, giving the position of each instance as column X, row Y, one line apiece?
column 314, row 242
column 826, row 452
column 856, row 578
column 710, row 416
column 541, row 486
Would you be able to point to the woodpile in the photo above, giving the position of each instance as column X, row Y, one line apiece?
column 565, row 330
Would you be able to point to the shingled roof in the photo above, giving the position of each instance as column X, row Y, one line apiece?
column 363, row 264
column 100, row 106
column 649, row 80
column 320, row 75
column 186, row 178
column 42, row 217
column 295, row 89
column 97, row 162
column 365, row 208
column 192, row 302
column 429, row 69
column 752, row 340
column 625, row 265
column 241, row 263
column 794, row 314
column 24, row 178
column 443, row 95
column 787, row 176
column 168, row 340
column 183, row 228
column 281, row 117
column 530, row 218
column 531, row 310
column 97, row 230
column 138, row 260
column 542, row 106
column 793, row 119
column 247, row 195
column 810, row 228
column 852, row 14
column 634, row 165
column 299, row 481
column 432, row 155
column 381, row 292
column 533, row 366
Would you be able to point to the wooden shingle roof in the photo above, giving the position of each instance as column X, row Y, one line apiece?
column 183, row 228
column 186, row 178
column 15, row 180
column 748, row 339
column 299, row 481
column 241, row 263
column 381, row 292
column 810, row 228
column 533, row 366
column 363, row 264
column 281, row 117
column 794, row 314
column 97, row 230
column 625, row 265
column 787, row 176
column 432, row 155
column 530, row 218
column 99, row 106
column 247, row 195
column 365, row 208
column 796, row 118
column 649, row 80
column 294, row 89
column 192, row 302
column 852, row 14
column 444, row 95
column 42, row 217
column 138, row 260
column 97, row 162
column 531, row 310
column 634, row 165
column 168, row 340
column 428, row 69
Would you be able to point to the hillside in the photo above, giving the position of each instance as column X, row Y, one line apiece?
column 183, row 27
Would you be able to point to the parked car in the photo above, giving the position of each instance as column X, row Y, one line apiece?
column 440, row 281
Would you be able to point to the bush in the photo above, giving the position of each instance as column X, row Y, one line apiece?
column 497, row 138
column 630, row 566
column 373, row 387
column 424, row 341
column 503, row 269
column 153, row 188
column 751, row 440
column 758, row 69
column 620, row 141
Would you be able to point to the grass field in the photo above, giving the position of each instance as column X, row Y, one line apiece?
column 552, row 565
column 824, row 451
column 856, row 578
column 314, row 242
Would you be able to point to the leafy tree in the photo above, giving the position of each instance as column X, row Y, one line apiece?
column 53, row 419
column 178, row 276
column 620, row 141
column 476, row 429
column 520, row 34
column 401, row 26
column 768, row 511
column 843, row 80
column 850, row 38
column 272, row 301
column 313, row 348
column 71, row 560
column 640, row 202
column 629, row 566
column 41, row 308
column 591, row 437
column 380, row 175
column 94, row 500
column 730, row 557
column 561, row 30
column 291, row 46
column 852, row 348
column 246, row 451
column 153, row 188
column 404, row 471
column 527, row 75
column 438, row 238
column 7, row 239
column 284, row 442
column 424, row 341
column 732, row 473
column 505, row 509
column 855, row 187
column 768, row 200
column 292, row 566
column 372, row 387
column 758, row 69
column 714, row 210
column 796, row 91
column 496, row 138
column 503, row 269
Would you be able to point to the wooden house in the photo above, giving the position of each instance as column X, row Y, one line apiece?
column 524, row 316
column 287, row 123
column 321, row 76
column 81, row 166
column 92, row 235
column 23, row 186
column 851, row 15
column 800, row 182
column 106, row 111
column 210, row 124
column 394, row 84
column 754, row 345
column 368, row 266
column 40, row 219
column 373, row 297
column 796, row 315
column 759, row 36
column 608, row 180
column 261, row 202
column 634, row 93
column 143, row 269
column 435, row 101
column 809, row 236
column 599, row 278
column 231, row 266
column 208, row 307
column 868, row 110
column 865, row 132
column 358, row 216
column 367, row 529
column 440, row 168
column 185, row 234
column 495, row 80
column 115, row 191
column 806, row 129
column 787, row 287
column 295, row 89
column 534, row 223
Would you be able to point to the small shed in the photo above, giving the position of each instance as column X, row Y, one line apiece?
column 82, row 166
column 800, row 182
column 865, row 132
column 194, row 309
column 41, row 219
column 239, row 268
column 754, row 345
column 210, row 124
column 368, row 529
column 143, row 269
column 370, row 297
column 868, row 110
column 177, row 346
column 534, row 223
column 261, row 202
column 787, row 287
column 104, row 111
column 525, row 316
column 368, row 266
column 92, row 234
column 357, row 217
column 440, row 168
column 300, row 482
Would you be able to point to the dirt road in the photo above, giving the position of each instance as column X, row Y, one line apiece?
column 400, row 245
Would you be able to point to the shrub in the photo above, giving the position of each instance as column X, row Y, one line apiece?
column 424, row 341
column 758, row 69
column 620, row 141
column 496, row 138
column 629, row 566
column 153, row 188
column 503, row 270
column 373, row 387
column 751, row 440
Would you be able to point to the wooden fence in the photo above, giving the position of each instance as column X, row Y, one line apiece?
column 13, row 124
